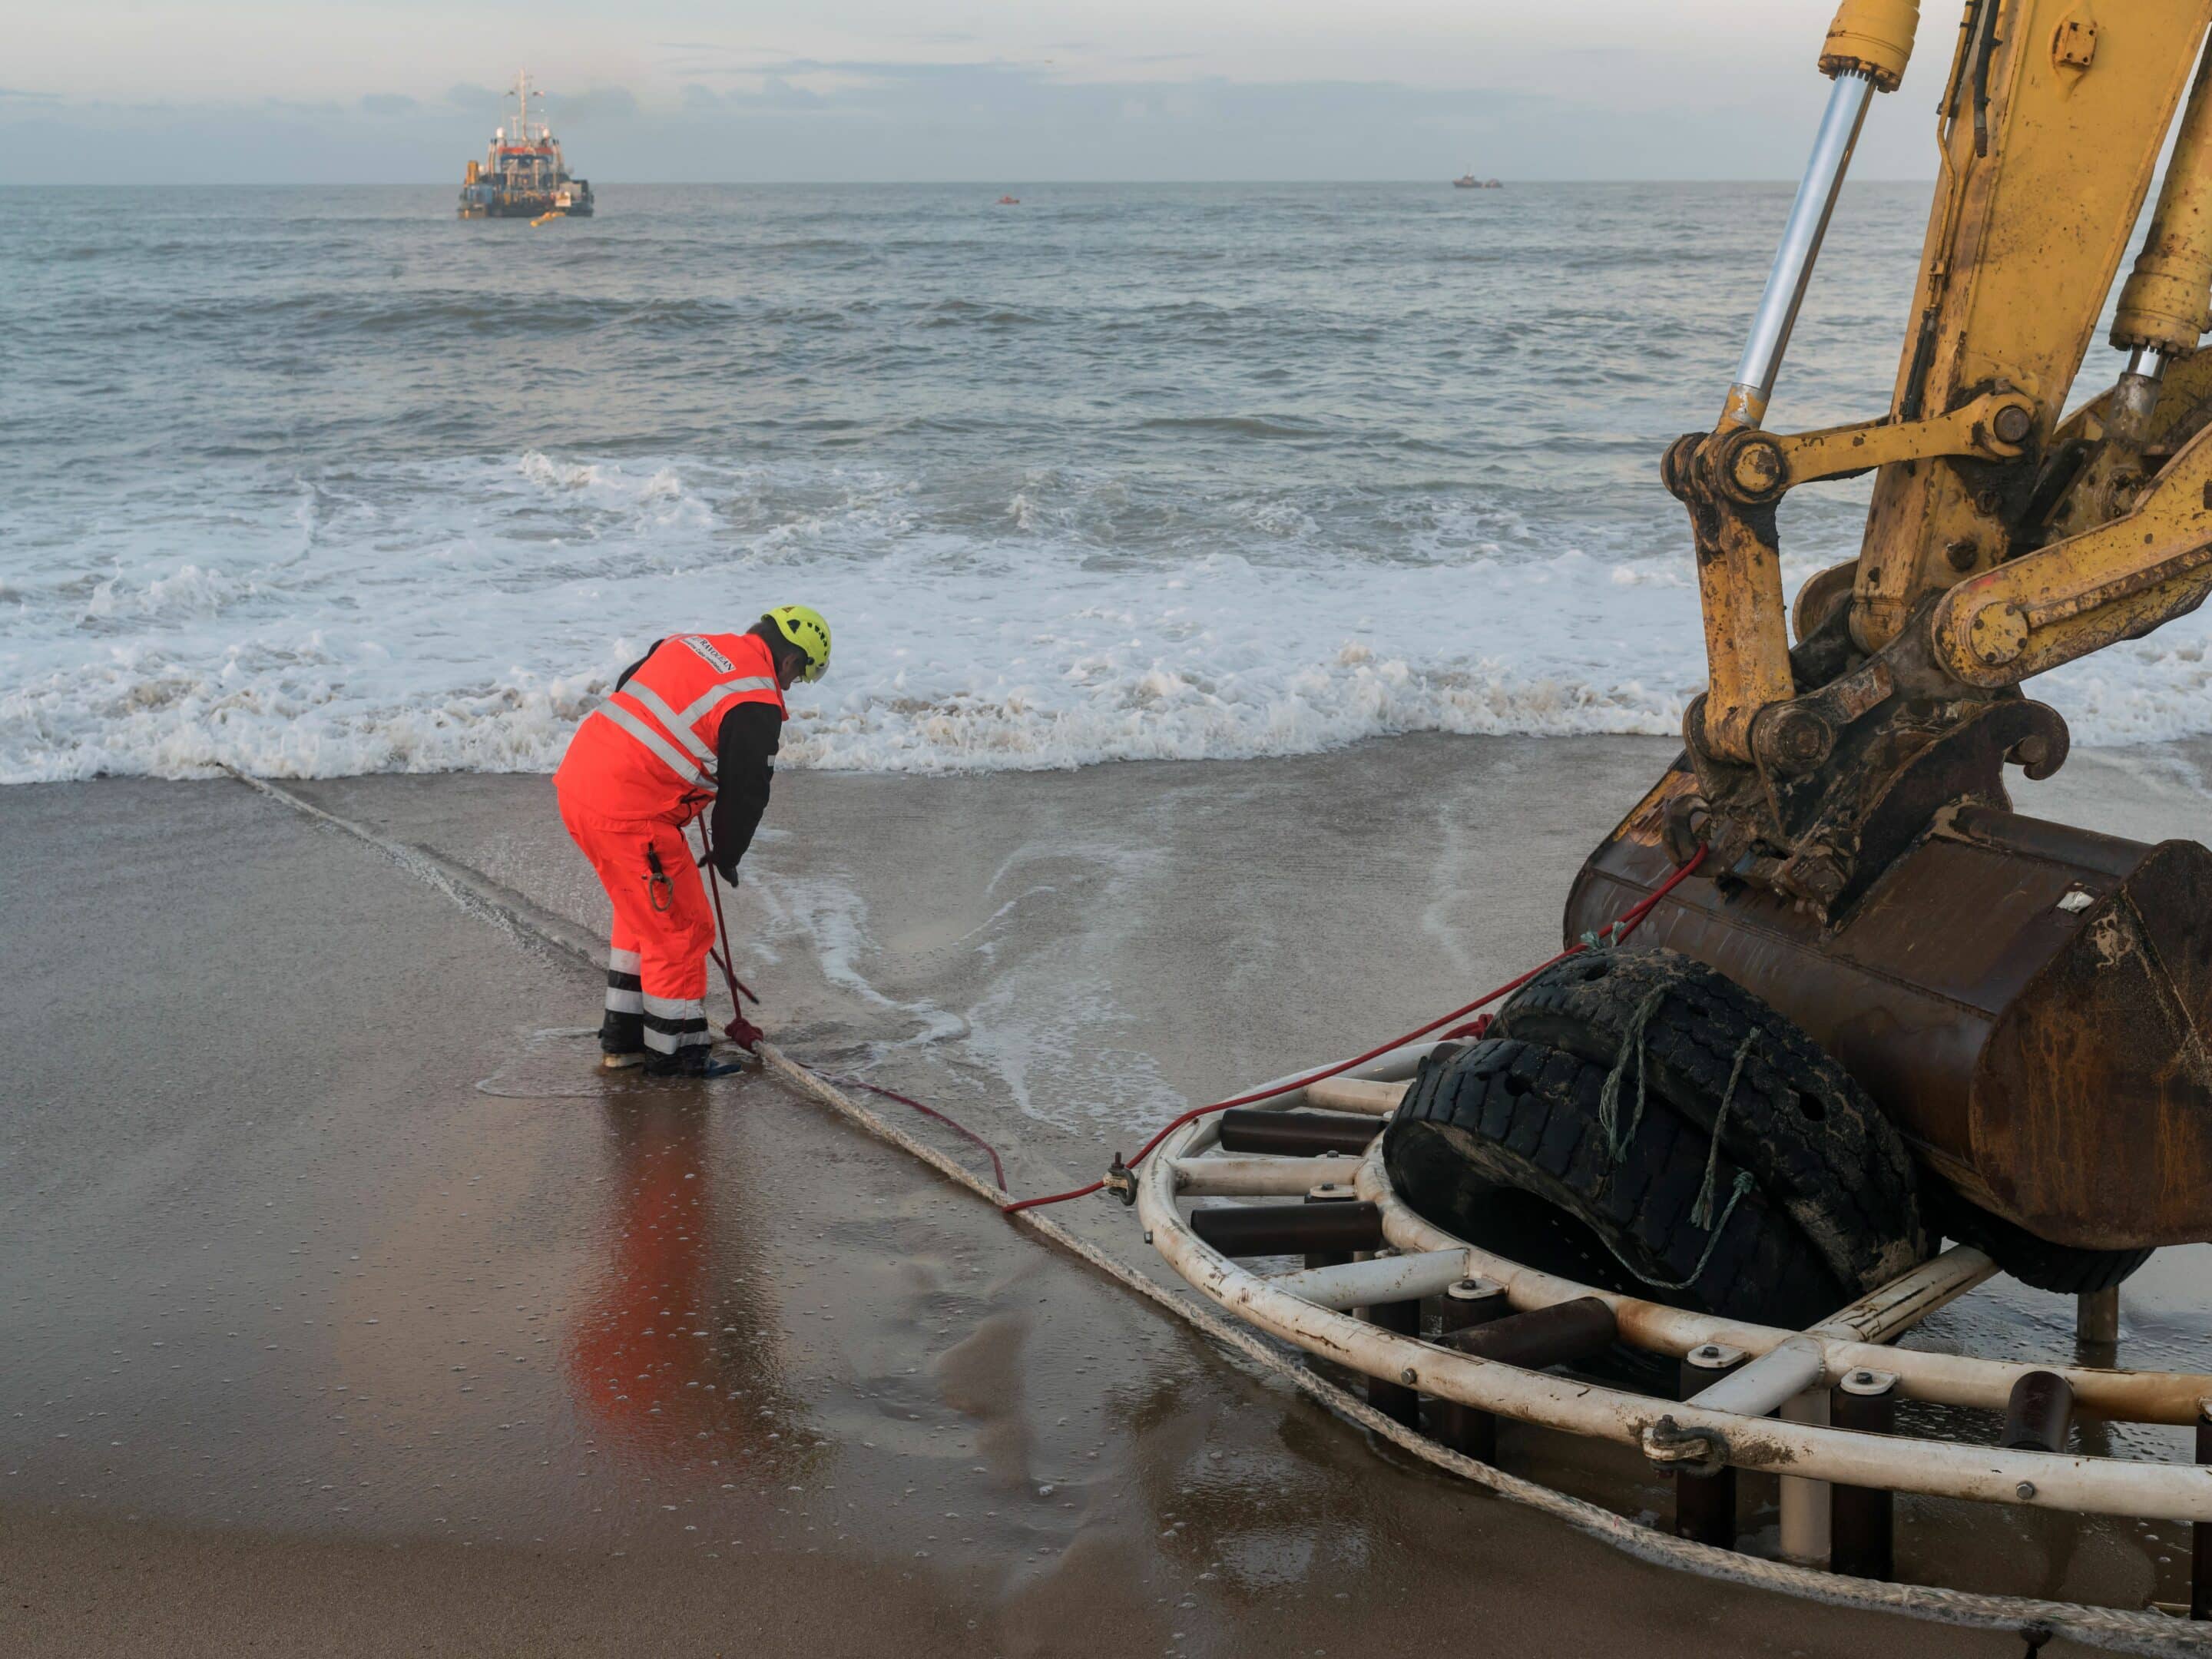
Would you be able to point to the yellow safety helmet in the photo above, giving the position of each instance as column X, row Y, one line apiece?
column 803, row 626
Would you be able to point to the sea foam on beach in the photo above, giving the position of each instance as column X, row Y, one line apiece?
column 464, row 616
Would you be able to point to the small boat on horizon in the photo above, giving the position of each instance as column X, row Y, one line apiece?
column 1468, row 181
column 1007, row 201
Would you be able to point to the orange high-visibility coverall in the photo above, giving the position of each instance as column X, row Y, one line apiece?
column 640, row 767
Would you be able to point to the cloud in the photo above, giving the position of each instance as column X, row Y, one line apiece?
column 868, row 118
column 593, row 104
column 775, row 92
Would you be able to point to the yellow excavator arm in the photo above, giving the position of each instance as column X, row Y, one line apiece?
column 2003, row 539
column 2030, row 1004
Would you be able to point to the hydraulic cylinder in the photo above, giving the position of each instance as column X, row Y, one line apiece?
column 1792, row 272
column 1866, row 52
column 1739, row 568
column 2163, row 304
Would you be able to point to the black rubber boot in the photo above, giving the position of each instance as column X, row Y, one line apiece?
column 622, row 1040
column 692, row 1059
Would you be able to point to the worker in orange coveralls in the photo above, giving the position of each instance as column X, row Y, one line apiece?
column 698, row 719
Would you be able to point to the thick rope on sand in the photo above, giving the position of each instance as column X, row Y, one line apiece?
column 2112, row 1628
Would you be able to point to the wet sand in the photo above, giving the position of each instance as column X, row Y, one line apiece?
column 350, row 1312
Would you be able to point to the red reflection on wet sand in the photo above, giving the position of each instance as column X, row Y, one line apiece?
column 648, row 1359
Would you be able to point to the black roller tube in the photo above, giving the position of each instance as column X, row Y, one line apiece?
column 1394, row 1399
column 2041, row 1413
column 1466, row 1429
column 1863, row 1520
column 1332, row 1193
column 1289, row 1229
column 1469, row 1303
column 1297, row 1134
column 1557, row 1335
column 1704, row 1504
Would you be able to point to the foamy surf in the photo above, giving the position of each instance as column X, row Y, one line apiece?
column 464, row 616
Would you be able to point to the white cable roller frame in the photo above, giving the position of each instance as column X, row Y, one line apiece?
column 1263, row 1177
column 1852, row 1340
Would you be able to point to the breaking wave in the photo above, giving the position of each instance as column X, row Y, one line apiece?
column 465, row 615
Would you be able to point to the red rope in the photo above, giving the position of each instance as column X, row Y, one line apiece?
column 998, row 1170
column 722, row 928
column 1619, row 930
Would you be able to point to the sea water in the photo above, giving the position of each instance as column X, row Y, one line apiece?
column 324, row 481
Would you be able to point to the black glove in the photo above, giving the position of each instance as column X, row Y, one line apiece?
column 727, row 872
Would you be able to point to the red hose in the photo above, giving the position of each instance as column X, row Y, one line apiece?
column 722, row 958
column 1620, row 930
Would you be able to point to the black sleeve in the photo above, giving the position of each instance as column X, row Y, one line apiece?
column 623, row 678
column 744, row 767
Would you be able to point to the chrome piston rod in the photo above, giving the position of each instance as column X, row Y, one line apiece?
column 1800, row 245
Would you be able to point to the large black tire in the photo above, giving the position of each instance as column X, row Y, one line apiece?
column 2033, row 1261
column 1817, row 1144
column 1502, row 1145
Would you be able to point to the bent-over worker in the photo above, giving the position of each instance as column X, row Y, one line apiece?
column 696, row 720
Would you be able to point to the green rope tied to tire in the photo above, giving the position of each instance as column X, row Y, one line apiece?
column 1701, row 1212
column 1743, row 1184
column 1606, row 938
column 1619, row 1137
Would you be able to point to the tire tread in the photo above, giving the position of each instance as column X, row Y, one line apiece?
column 1846, row 1175
column 1508, row 1113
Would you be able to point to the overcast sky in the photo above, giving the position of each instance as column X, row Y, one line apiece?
column 344, row 91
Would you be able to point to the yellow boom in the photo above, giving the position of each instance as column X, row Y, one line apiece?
column 2003, row 540
column 2029, row 1003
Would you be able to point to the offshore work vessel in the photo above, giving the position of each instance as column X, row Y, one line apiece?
column 522, row 175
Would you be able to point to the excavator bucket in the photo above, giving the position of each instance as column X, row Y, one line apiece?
column 2031, row 1004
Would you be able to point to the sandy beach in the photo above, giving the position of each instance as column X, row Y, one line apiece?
column 351, row 1311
